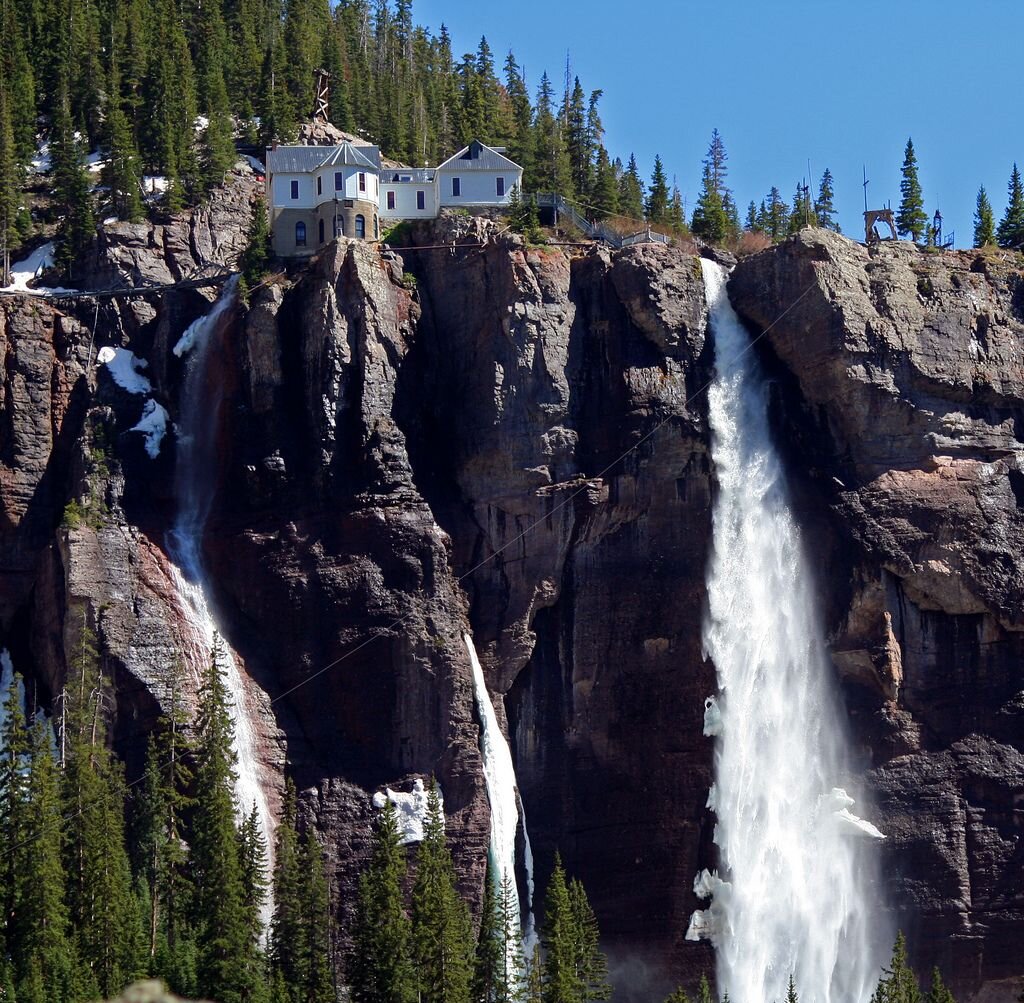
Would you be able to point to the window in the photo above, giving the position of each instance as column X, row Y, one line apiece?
column 376, row 227
column 321, row 231
column 391, row 200
column 300, row 234
column 339, row 181
column 499, row 187
column 421, row 200
column 456, row 187
column 362, row 181
column 295, row 189
column 319, row 185
column 360, row 226
column 339, row 225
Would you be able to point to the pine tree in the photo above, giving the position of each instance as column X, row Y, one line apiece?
column 286, row 925
column 591, row 965
column 984, row 221
column 938, row 992
column 316, row 980
column 776, row 216
column 10, row 188
column 441, row 932
column 911, row 218
column 121, row 172
column 252, row 856
column 709, row 221
column 605, row 195
column 802, row 213
column 103, row 912
column 679, row 995
column 226, row 963
column 898, row 983
column 704, row 991
column 551, row 167
column 631, row 192
column 489, row 961
column 791, row 995
column 71, row 186
column 520, row 143
column 823, row 207
column 578, row 141
column 657, row 207
column 1011, row 226
column 380, row 967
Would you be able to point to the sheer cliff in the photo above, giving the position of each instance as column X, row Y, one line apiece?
column 512, row 441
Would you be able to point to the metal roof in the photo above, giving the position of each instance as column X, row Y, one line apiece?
column 306, row 159
column 477, row 157
column 407, row 175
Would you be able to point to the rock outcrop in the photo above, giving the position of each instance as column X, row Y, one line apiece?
column 512, row 440
column 902, row 389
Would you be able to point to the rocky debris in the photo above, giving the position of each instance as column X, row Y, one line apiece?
column 150, row 991
column 901, row 391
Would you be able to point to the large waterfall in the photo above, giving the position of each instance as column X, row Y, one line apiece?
column 195, row 485
column 500, row 778
column 795, row 891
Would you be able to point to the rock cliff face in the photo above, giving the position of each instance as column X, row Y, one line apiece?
column 512, row 441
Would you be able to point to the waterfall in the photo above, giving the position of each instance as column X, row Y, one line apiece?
column 794, row 896
column 194, row 487
column 502, row 793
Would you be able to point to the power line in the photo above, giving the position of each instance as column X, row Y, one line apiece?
column 383, row 631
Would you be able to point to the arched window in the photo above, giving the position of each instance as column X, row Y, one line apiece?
column 361, row 226
column 321, row 231
column 339, row 225
column 300, row 234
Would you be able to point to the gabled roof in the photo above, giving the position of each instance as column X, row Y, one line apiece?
column 306, row 159
column 477, row 157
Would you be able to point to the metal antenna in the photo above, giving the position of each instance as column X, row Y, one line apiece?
column 865, row 170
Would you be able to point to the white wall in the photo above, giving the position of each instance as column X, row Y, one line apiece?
column 282, row 198
column 478, row 187
column 351, row 189
column 405, row 201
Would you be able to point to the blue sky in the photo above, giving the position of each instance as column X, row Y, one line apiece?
column 838, row 82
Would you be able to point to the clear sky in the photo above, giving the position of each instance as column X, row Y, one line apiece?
column 841, row 83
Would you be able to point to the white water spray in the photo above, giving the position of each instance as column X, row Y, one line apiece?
column 500, row 778
column 194, row 484
column 794, row 894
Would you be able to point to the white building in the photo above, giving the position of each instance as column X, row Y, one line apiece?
column 317, row 193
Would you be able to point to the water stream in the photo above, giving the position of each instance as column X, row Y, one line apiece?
column 195, row 484
column 507, row 812
column 795, row 894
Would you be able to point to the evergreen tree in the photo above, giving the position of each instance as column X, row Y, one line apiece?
column 103, row 911
column 252, row 855
column 71, row 186
column 227, row 966
column 631, row 192
column 776, row 221
column 1011, row 226
column 802, row 213
column 898, row 983
column 441, row 932
column 984, row 221
column 551, row 167
column 316, row 981
column 676, row 213
column 520, row 142
column 938, row 991
column 657, row 207
column 579, row 142
column 10, row 188
column 286, row 925
column 704, row 991
column 678, row 995
column 489, row 961
column 709, row 221
column 911, row 218
column 559, row 938
column 591, row 965
column 380, row 967
column 605, row 195
column 824, row 209
column 791, row 995
column 751, row 222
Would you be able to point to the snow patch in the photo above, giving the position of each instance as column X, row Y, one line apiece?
column 154, row 184
column 839, row 803
column 153, row 425
column 125, row 369
column 22, row 272
column 41, row 161
column 410, row 808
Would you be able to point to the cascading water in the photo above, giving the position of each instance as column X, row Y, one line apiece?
column 500, row 778
column 194, row 484
column 795, row 895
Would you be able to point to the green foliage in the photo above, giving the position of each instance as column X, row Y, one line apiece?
column 678, row 995
column 898, row 983
column 1011, row 226
column 704, row 992
column 441, row 931
column 658, row 197
column 984, row 221
column 709, row 221
column 824, row 209
column 631, row 192
column 255, row 260
column 380, row 967
column 774, row 220
column 938, row 992
column 911, row 218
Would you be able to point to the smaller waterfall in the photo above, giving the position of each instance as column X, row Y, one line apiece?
column 195, row 486
column 500, row 778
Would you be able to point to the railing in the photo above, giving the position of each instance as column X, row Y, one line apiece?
column 596, row 231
